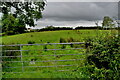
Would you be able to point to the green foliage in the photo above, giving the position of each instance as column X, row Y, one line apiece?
column 12, row 25
column 104, row 59
column 52, row 28
column 31, row 42
column 31, row 35
column 25, row 11
column 70, row 39
column 24, row 14
column 11, row 53
column 62, row 40
column 107, row 22
column 45, row 47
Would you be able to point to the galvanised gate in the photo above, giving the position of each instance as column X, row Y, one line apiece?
column 36, row 57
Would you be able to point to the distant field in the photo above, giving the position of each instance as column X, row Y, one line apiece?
column 53, row 36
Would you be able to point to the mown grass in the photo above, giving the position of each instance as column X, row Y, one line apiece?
column 38, row 53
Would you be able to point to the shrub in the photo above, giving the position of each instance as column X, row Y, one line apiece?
column 9, row 53
column 70, row 39
column 31, row 35
column 40, row 40
column 62, row 40
column 63, row 46
column 31, row 42
column 45, row 47
column 10, row 33
column 104, row 59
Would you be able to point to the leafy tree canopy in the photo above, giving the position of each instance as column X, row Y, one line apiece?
column 107, row 22
column 21, row 13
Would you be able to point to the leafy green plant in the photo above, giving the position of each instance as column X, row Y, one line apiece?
column 62, row 40
column 5, row 60
column 104, row 59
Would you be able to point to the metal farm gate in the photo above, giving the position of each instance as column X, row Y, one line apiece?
column 36, row 57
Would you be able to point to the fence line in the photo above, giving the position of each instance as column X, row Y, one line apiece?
column 48, row 60
column 54, row 54
column 48, row 55
column 41, row 50
column 46, row 66
column 44, row 44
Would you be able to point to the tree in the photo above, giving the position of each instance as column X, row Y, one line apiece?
column 107, row 22
column 96, row 23
column 117, row 21
column 12, row 25
column 20, row 13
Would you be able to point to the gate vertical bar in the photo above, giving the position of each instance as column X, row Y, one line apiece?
column 55, row 56
column 21, row 58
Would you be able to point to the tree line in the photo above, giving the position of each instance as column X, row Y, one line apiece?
column 52, row 28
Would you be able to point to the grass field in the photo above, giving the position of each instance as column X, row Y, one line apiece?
column 51, row 37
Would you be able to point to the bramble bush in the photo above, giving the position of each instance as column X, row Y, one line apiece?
column 104, row 59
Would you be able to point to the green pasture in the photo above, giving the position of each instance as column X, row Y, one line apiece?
column 53, row 36
column 39, row 53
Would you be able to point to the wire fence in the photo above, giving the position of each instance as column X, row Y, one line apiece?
column 16, row 59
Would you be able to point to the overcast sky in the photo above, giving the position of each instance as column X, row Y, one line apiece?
column 82, row 0
column 76, row 13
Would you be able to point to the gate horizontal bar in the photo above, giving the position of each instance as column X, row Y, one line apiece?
column 44, row 61
column 42, row 50
column 44, row 44
column 44, row 66
column 46, row 55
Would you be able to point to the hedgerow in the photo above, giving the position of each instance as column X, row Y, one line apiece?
column 104, row 61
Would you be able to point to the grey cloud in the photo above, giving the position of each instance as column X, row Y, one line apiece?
column 82, row 0
column 76, row 13
column 44, row 23
column 71, row 11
